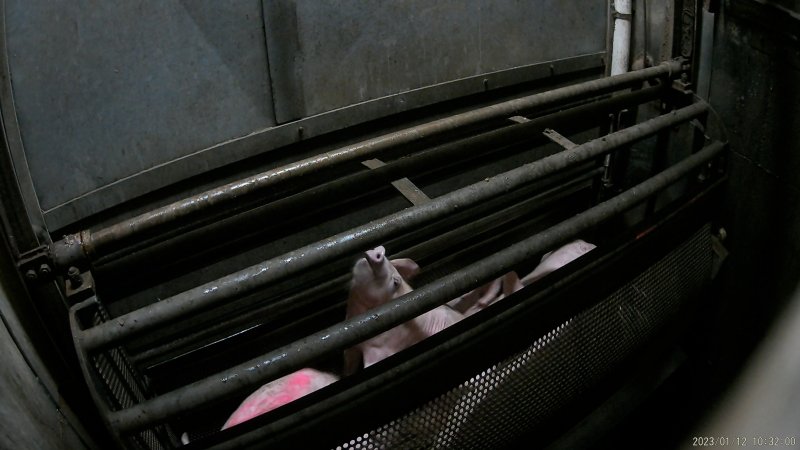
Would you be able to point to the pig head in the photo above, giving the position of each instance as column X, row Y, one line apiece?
column 376, row 281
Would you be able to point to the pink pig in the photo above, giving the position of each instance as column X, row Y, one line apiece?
column 278, row 393
column 376, row 281
column 558, row 258
column 478, row 299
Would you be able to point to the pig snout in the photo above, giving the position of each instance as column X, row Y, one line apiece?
column 375, row 258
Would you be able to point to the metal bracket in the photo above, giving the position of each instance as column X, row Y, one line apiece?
column 519, row 119
column 408, row 189
column 559, row 139
column 682, row 85
column 720, row 252
column 79, row 286
column 621, row 16
column 701, row 128
column 36, row 265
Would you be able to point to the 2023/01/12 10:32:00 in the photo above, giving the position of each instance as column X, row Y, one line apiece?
column 744, row 441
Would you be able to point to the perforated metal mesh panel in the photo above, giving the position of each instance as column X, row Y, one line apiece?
column 124, row 387
column 516, row 396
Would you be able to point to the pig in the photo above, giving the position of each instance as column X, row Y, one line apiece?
column 280, row 392
column 557, row 258
column 478, row 299
column 376, row 281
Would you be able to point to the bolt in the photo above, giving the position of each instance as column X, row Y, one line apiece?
column 31, row 275
column 722, row 233
column 44, row 270
column 685, row 77
column 485, row 84
column 75, row 279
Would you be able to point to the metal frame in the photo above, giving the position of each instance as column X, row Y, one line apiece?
column 467, row 347
column 87, row 245
column 292, row 132
column 491, row 215
column 244, row 377
column 239, row 283
column 330, row 194
column 295, row 356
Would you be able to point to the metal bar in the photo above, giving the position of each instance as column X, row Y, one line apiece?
column 97, row 243
column 351, row 241
column 281, row 361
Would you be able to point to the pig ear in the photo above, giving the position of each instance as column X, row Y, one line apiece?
column 406, row 267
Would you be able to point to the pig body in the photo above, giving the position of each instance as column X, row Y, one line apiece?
column 280, row 392
column 376, row 281
column 478, row 299
column 558, row 258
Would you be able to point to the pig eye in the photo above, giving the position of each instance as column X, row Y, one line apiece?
column 395, row 282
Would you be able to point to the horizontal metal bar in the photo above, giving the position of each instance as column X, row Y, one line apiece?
column 250, row 374
column 354, row 240
column 97, row 243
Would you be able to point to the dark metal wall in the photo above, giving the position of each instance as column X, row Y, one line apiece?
column 38, row 397
column 756, row 90
column 332, row 54
column 115, row 101
column 105, row 91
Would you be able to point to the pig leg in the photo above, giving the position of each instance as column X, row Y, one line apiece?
column 511, row 283
column 487, row 294
column 353, row 360
column 477, row 299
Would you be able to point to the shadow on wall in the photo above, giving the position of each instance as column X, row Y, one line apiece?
column 754, row 88
column 762, row 405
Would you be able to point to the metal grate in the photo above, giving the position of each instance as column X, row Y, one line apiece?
column 516, row 396
column 125, row 387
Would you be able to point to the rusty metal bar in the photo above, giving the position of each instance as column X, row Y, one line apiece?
column 249, row 375
column 239, row 283
column 88, row 245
